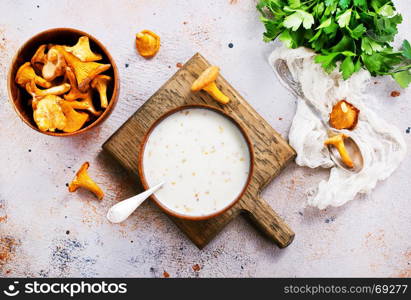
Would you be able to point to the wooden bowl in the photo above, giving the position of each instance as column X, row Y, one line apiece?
column 64, row 36
column 146, row 185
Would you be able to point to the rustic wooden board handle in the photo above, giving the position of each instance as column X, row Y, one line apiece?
column 267, row 220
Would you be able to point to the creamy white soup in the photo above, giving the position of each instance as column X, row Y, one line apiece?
column 202, row 157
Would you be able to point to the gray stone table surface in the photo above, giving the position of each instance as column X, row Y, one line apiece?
column 46, row 231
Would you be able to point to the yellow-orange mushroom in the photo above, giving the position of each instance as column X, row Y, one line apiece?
column 85, row 71
column 147, row 43
column 74, row 120
column 206, row 82
column 55, row 64
column 83, row 51
column 100, row 84
column 49, row 115
column 38, row 94
column 26, row 73
column 344, row 115
column 88, row 102
column 74, row 93
column 338, row 142
column 83, row 180
column 39, row 58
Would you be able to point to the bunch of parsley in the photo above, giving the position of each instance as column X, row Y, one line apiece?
column 356, row 33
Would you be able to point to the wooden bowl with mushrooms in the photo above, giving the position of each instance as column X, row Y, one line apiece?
column 63, row 82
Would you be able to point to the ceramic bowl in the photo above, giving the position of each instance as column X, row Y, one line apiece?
column 162, row 205
column 64, row 36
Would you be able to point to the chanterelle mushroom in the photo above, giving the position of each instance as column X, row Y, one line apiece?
column 55, row 64
column 74, row 120
column 88, row 102
column 74, row 93
column 82, row 50
column 100, row 84
column 83, row 180
column 206, row 82
column 344, row 115
column 85, row 71
column 39, row 58
column 338, row 142
column 147, row 43
column 49, row 115
column 26, row 73
column 37, row 93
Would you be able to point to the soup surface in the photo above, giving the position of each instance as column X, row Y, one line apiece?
column 202, row 157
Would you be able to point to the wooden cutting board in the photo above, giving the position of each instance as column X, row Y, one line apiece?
column 271, row 151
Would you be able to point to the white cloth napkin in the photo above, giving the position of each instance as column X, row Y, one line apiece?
column 382, row 145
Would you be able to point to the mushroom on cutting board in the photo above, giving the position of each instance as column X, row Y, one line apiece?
column 206, row 82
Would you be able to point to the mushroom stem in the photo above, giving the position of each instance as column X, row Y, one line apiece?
column 83, row 180
column 100, row 84
column 215, row 92
column 338, row 142
column 102, row 90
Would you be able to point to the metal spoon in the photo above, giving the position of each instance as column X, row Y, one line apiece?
column 122, row 210
column 284, row 74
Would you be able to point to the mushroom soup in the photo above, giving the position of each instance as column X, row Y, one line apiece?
column 202, row 157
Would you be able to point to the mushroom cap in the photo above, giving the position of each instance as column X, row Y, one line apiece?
column 100, row 79
column 74, row 184
column 344, row 115
column 85, row 71
column 147, row 43
column 40, row 57
column 83, row 51
column 335, row 139
column 26, row 73
column 208, row 76
column 54, row 65
column 83, row 180
column 49, row 115
column 75, row 119
column 84, row 167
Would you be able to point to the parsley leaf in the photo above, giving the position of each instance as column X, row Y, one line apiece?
column 355, row 33
column 360, row 3
column 344, row 4
column 294, row 20
column 328, row 61
column 403, row 78
column 406, row 49
column 344, row 19
column 347, row 67
column 358, row 31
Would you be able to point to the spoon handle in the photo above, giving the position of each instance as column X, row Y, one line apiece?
column 144, row 195
column 286, row 78
column 316, row 112
column 122, row 210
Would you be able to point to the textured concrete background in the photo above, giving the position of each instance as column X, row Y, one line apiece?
column 45, row 231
